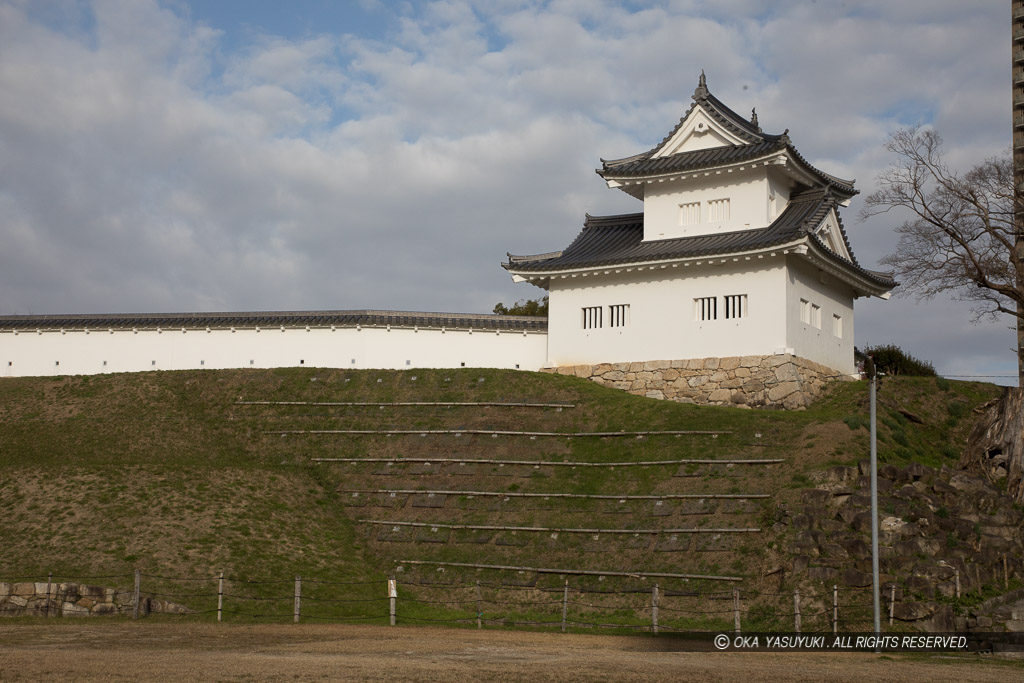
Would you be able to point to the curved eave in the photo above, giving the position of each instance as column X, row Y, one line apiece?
column 864, row 282
column 786, row 158
column 625, row 266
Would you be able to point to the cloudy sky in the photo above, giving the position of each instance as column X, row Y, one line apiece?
column 263, row 155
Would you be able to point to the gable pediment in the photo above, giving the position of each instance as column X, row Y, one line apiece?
column 698, row 131
column 831, row 236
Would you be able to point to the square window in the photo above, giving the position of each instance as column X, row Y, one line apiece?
column 462, row 365
column 735, row 305
column 302, row 362
column 591, row 317
column 689, row 214
column 718, row 210
column 705, row 308
column 618, row 315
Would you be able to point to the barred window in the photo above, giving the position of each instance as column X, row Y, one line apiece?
column 618, row 315
column 705, row 308
column 735, row 305
column 591, row 317
column 805, row 311
column 837, row 326
column 816, row 315
column 689, row 214
column 718, row 210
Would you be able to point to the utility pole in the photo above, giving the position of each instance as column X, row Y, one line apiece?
column 872, row 373
column 1017, row 36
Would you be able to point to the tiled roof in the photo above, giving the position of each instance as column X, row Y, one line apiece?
column 644, row 164
column 758, row 144
column 286, row 319
column 618, row 240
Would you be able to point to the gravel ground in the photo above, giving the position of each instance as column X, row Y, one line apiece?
column 121, row 651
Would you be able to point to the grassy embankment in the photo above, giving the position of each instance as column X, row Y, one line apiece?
column 165, row 472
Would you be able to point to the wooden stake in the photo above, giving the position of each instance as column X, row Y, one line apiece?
column 298, row 598
column 49, row 581
column 565, row 603
column 479, row 612
column 736, row 608
column 220, row 596
column 892, row 601
column 835, row 609
column 135, row 596
column 956, row 577
column 393, row 595
column 1006, row 574
column 654, row 608
column 796, row 610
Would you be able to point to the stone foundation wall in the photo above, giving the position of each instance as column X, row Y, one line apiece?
column 777, row 381
column 76, row 599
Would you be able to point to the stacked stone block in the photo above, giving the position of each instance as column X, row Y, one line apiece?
column 777, row 381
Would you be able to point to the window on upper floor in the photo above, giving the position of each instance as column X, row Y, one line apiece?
column 618, row 315
column 689, row 214
column 718, row 210
column 591, row 317
column 705, row 308
column 837, row 326
column 735, row 305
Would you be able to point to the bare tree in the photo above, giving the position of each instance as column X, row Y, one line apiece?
column 963, row 238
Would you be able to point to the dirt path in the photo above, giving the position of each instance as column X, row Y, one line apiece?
column 121, row 651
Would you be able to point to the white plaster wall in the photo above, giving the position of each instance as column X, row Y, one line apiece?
column 662, row 324
column 747, row 191
column 81, row 353
column 804, row 281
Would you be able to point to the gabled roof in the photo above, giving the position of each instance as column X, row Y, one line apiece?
column 292, row 319
column 755, row 145
column 619, row 240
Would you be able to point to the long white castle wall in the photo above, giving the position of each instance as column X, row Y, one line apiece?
column 77, row 352
column 661, row 321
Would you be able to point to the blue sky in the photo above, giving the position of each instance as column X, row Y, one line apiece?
column 173, row 155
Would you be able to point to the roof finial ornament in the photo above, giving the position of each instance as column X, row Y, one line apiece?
column 785, row 136
column 701, row 93
column 753, row 118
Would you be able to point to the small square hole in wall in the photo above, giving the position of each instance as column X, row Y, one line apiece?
column 462, row 365
column 104, row 363
column 56, row 362
column 408, row 363
column 302, row 362
column 153, row 363
column 10, row 363
column 252, row 362
column 202, row 362
column 517, row 366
